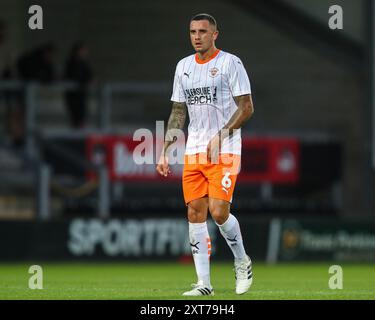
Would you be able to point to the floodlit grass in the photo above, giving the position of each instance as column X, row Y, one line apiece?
column 166, row 281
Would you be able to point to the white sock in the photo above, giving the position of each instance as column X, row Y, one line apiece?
column 200, row 244
column 231, row 232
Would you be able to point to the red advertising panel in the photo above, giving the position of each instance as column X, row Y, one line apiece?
column 273, row 160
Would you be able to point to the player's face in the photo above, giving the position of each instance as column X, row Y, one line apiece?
column 202, row 35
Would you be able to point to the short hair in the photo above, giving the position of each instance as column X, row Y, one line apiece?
column 205, row 16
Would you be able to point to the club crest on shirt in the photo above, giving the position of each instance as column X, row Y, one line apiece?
column 213, row 72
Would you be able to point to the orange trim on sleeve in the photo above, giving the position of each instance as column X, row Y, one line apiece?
column 200, row 61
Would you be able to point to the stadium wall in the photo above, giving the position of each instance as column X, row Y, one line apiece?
column 296, row 88
column 148, row 238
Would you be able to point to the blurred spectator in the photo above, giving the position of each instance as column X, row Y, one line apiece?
column 5, row 53
column 13, row 121
column 78, row 70
column 39, row 64
column 36, row 65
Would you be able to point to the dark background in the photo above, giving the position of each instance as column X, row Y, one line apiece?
column 309, row 82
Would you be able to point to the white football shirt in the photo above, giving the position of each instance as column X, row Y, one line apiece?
column 208, row 89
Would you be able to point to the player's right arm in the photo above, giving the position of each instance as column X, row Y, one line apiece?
column 176, row 122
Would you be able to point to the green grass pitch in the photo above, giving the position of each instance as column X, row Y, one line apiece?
column 166, row 281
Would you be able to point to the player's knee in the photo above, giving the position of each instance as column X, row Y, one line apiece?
column 196, row 215
column 218, row 215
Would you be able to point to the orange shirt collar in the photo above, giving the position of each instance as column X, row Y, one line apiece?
column 198, row 60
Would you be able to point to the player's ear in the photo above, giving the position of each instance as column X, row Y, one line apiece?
column 216, row 34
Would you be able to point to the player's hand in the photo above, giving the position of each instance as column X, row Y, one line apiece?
column 213, row 149
column 163, row 166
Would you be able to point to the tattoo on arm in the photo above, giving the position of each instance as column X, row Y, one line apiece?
column 176, row 121
column 178, row 116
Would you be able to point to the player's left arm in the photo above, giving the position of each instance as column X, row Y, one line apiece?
column 244, row 111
